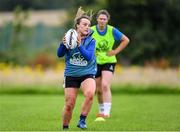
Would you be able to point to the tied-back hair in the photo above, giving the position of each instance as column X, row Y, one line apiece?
column 82, row 14
column 104, row 12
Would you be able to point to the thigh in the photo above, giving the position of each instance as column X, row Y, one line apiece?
column 70, row 94
column 107, row 77
column 88, row 86
column 98, row 82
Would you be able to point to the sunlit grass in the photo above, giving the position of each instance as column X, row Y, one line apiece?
column 140, row 112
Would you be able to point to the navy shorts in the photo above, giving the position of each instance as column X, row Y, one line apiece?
column 75, row 82
column 105, row 67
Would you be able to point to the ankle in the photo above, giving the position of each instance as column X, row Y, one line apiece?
column 83, row 117
column 65, row 127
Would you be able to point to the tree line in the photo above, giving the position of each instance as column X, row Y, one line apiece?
column 153, row 28
column 151, row 25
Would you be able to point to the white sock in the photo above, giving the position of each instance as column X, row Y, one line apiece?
column 101, row 108
column 107, row 108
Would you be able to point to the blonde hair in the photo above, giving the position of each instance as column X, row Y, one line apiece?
column 82, row 14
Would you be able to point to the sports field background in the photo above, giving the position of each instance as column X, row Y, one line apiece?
column 140, row 112
column 144, row 99
column 146, row 84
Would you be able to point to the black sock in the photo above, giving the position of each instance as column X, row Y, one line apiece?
column 65, row 127
column 82, row 117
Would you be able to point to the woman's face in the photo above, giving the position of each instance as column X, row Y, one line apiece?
column 84, row 26
column 102, row 20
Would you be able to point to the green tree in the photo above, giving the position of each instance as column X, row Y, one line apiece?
column 17, row 53
column 152, row 26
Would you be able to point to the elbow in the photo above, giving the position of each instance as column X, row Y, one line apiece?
column 61, row 50
column 59, row 54
column 127, row 41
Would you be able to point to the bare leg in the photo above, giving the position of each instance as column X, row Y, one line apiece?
column 70, row 99
column 99, row 90
column 88, row 88
column 106, row 91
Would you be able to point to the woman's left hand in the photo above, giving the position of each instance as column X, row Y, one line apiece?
column 111, row 53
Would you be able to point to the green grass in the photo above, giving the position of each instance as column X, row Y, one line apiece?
column 121, row 89
column 139, row 112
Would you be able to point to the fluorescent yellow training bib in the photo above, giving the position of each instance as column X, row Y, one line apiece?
column 104, row 43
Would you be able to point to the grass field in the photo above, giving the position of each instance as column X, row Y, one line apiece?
column 140, row 112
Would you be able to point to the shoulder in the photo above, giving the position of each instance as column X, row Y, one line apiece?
column 117, row 34
column 113, row 28
column 92, row 40
column 89, row 38
column 110, row 26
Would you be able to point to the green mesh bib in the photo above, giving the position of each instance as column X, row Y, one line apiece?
column 104, row 43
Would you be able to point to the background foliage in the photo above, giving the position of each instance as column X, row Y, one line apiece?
column 151, row 25
column 153, row 28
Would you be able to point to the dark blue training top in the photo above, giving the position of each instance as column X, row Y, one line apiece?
column 81, row 60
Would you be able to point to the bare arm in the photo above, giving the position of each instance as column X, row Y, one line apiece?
column 124, row 42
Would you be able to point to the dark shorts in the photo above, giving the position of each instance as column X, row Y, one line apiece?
column 75, row 82
column 105, row 67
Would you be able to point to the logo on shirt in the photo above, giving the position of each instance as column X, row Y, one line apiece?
column 111, row 68
column 78, row 60
column 102, row 45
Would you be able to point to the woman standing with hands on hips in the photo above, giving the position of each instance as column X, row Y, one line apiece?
column 105, row 36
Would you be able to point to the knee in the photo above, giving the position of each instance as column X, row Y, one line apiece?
column 89, row 96
column 69, row 104
column 105, row 87
column 98, row 86
column 99, row 91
